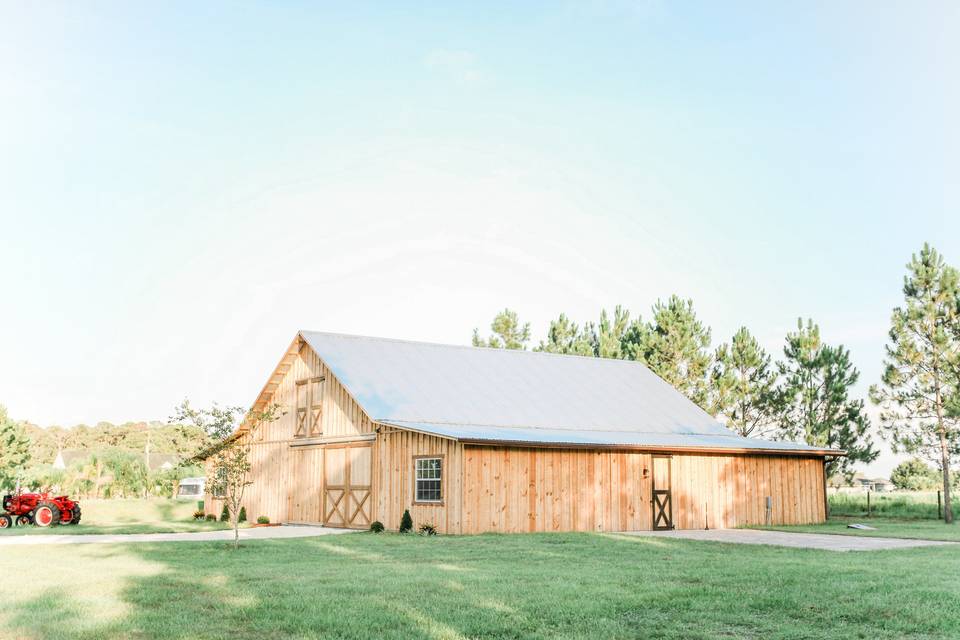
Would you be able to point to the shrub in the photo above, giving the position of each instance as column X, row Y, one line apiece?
column 199, row 515
column 225, row 514
column 427, row 529
column 376, row 526
column 243, row 515
column 406, row 522
column 263, row 520
column 211, row 517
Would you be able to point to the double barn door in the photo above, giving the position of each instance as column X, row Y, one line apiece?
column 347, row 499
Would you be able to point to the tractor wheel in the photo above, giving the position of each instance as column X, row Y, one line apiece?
column 23, row 521
column 6, row 522
column 75, row 515
column 46, row 514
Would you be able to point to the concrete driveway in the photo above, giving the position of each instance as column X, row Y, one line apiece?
column 255, row 533
column 824, row 541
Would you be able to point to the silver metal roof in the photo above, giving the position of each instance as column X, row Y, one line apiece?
column 497, row 395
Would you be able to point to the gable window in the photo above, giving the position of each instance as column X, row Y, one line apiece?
column 428, row 479
column 309, row 399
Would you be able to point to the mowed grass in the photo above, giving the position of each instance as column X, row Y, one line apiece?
column 884, row 528
column 522, row 586
column 154, row 515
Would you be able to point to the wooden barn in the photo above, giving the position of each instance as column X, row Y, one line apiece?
column 473, row 440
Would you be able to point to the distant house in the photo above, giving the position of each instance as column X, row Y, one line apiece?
column 859, row 483
column 473, row 439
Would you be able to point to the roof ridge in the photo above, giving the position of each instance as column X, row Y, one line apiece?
column 469, row 347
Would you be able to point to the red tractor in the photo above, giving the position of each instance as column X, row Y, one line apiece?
column 40, row 509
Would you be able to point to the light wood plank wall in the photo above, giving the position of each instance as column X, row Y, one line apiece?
column 287, row 481
column 520, row 489
column 393, row 473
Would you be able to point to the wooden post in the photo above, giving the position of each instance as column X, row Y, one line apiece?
column 768, row 518
column 868, row 503
column 939, row 506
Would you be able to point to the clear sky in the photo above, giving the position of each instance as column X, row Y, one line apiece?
column 184, row 185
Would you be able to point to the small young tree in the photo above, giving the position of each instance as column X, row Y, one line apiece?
column 743, row 386
column 920, row 381
column 406, row 522
column 508, row 333
column 228, row 460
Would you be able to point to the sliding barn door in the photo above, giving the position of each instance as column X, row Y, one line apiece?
column 347, row 499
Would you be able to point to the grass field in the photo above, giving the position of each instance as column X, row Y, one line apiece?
column 155, row 515
column 524, row 586
column 918, row 504
column 885, row 527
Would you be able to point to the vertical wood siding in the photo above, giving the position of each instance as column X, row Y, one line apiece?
column 393, row 476
column 518, row 489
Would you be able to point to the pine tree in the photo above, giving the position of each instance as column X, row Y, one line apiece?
column 508, row 333
column 610, row 334
column 565, row 336
column 919, row 389
column 743, row 386
column 813, row 403
column 675, row 345
column 14, row 450
column 406, row 522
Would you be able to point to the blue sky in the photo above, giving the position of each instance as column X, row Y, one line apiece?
column 183, row 186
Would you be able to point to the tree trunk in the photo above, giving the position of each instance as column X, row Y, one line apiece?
column 945, row 465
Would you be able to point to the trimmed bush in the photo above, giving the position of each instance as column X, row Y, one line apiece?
column 199, row 515
column 225, row 514
column 243, row 515
column 376, row 526
column 406, row 522
column 211, row 517
column 263, row 520
column 427, row 529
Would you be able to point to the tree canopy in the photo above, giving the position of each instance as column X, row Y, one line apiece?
column 508, row 333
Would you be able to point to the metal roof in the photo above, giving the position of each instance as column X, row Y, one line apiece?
column 496, row 395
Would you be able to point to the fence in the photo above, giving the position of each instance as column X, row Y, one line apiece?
column 919, row 504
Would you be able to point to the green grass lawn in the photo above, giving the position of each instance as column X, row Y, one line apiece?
column 154, row 515
column 523, row 586
column 895, row 504
column 885, row 528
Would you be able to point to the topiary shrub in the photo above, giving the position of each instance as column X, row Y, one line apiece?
column 199, row 515
column 406, row 522
column 211, row 517
column 427, row 529
column 263, row 520
column 243, row 515
column 376, row 526
column 225, row 514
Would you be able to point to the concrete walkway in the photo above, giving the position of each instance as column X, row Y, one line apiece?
column 255, row 533
column 824, row 541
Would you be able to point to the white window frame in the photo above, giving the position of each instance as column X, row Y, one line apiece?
column 417, row 479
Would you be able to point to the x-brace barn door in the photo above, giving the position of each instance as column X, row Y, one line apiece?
column 662, row 500
column 347, row 500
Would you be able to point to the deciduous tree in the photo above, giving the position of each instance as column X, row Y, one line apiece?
column 918, row 394
column 14, row 450
column 914, row 475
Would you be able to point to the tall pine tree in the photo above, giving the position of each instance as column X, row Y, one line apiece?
column 508, row 333
column 743, row 385
column 918, row 395
column 813, row 403
column 675, row 345
column 565, row 336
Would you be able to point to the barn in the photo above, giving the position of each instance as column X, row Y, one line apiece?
column 473, row 440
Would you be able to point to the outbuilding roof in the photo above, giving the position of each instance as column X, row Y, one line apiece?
column 480, row 395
